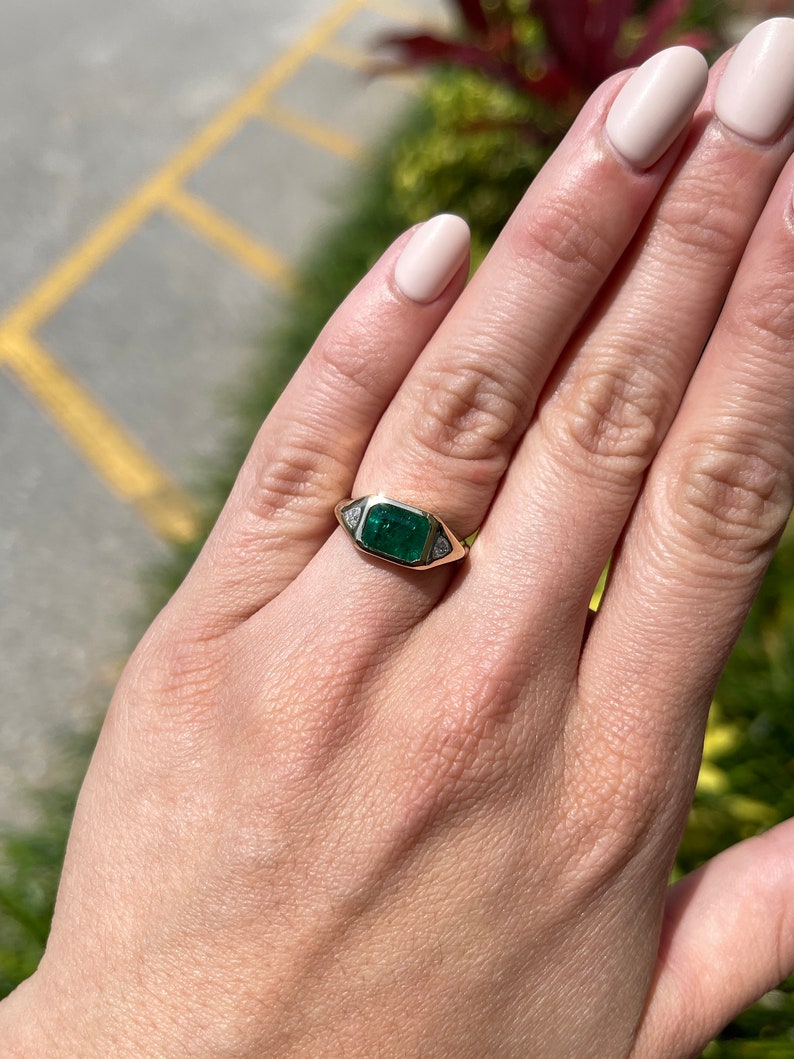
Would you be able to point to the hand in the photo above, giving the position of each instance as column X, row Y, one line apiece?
column 339, row 808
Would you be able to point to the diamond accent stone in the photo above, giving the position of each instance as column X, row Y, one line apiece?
column 441, row 547
column 352, row 515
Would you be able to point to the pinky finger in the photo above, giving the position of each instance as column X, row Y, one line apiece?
column 306, row 455
column 728, row 938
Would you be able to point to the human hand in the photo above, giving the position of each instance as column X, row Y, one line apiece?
column 339, row 808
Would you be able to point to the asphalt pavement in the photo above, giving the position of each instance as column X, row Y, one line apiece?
column 163, row 164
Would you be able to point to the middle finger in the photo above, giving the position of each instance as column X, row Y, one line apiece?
column 575, row 478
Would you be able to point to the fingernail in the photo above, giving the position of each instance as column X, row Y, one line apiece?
column 432, row 257
column 755, row 96
column 656, row 104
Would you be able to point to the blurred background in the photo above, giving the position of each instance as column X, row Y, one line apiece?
column 164, row 166
column 187, row 189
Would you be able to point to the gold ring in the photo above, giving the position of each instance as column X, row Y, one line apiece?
column 399, row 533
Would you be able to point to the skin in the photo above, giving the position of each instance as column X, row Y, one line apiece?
column 341, row 809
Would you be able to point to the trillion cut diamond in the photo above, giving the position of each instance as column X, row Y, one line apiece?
column 352, row 515
column 441, row 547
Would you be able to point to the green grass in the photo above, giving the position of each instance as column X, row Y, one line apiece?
column 428, row 166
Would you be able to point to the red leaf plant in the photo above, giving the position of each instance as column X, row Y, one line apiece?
column 580, row 43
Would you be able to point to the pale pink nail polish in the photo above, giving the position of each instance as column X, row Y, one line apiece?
column 755, row 96
column 656, row 103
column 432, row 257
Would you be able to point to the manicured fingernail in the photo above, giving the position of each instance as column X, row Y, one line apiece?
column 656, row 104
column 755, row 96
column 432, row 257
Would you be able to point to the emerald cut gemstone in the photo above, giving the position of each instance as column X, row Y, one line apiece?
column 396, row 533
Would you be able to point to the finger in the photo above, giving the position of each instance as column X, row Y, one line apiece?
column 448, row 436
column 728, row 938
column 711, row 512
column 446, row 439
column 304, row 459
column 576, row 476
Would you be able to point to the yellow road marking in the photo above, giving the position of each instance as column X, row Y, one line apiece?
column 226, row 235
column 307, row 129
column 118, row 459
column 72, row 272
column 66, row 277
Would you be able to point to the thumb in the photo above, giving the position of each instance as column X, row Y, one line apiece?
column 727, row 938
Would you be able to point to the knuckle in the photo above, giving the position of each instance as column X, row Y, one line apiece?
column 295, row 474
column 708, row 219
column 613, row 807
column 468, row 415
column 352, row 359
column 731, row 497
column 178, row 679
column 562, row 230
column 765, row 317
column 609, row 421
column 470, row 738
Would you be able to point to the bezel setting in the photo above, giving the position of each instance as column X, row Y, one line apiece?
column 399, row 533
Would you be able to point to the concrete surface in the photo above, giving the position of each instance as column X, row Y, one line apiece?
column 134, row 280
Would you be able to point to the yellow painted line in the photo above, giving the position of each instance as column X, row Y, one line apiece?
column 119, row 460
column 73, row 270
column 314, row 132
column 227, row 236
column 77, row 266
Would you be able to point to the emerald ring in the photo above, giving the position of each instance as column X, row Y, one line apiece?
column 399, row 533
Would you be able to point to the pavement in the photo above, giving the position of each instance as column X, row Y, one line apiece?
column 163, row 165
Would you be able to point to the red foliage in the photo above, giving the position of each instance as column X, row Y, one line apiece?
column 582, row 38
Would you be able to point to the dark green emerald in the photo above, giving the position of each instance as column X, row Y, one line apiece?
column 396, row 533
